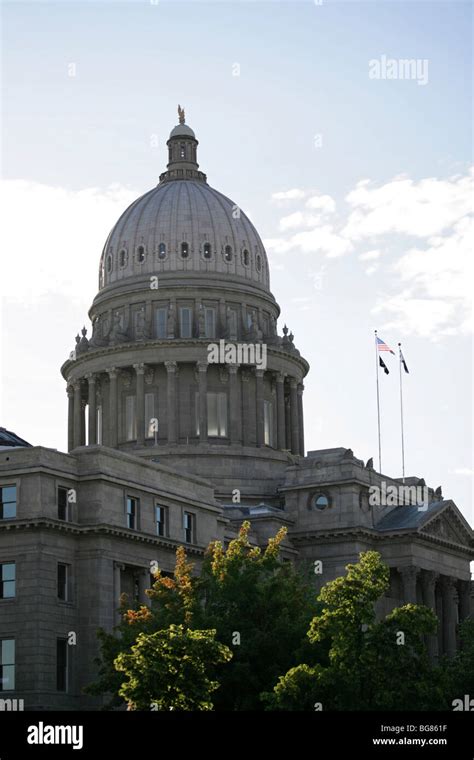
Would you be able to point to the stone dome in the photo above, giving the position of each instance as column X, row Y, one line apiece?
column 183, row 226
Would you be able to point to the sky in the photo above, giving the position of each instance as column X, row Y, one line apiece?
column 355, row 169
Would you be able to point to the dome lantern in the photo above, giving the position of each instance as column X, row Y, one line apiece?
column 182, row 153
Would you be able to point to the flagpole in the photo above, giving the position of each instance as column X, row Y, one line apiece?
column 378, row 400
column 401, row 409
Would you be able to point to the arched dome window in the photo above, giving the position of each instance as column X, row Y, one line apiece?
column 246, row 257
column 141, row 254
column 258, row 263
column 109, row 263
column 228, row 253
column 207, row 250
column 182, row 150
column 123, row 257
column 162, row 251
column 184, row 250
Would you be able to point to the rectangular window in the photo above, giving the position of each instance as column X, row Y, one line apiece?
column 7, row 664
column 161, row 520
column 210, row 322
column 62, row 503
column 189, row 527
column 150, row 423
column 185, row 324
column 131, row 418
column 7, row 580
column 7, row 502
column 216, row 414
column 132, row 512
column 61, row 665
column 99, row 425
column 63, row 582
column 268, row 422
column 161, row 321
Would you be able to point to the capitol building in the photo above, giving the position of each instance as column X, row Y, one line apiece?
column 169, row 448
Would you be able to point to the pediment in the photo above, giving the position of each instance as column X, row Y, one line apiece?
column 449, row 526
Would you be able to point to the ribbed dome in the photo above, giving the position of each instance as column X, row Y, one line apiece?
column 183, row 226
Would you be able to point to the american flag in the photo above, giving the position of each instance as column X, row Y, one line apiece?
column 383, row 346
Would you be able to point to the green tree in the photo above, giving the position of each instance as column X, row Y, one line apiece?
column 372, row 665
column 169, row 669
column 259, row 606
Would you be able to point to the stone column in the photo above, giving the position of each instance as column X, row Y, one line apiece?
column 112, row 421
column 70, row 417
column 245, row 379
column 77, row 413
column 140, row 379
column 295, row 432
column 143, row 584
column 202, row 384
column 171, row 369
column 300, row 418
column 83, row 422
column 234, row 402
column 118, row 567
column 280, row 385
column 464, row 591
column 409, row 574
column 92, row 410
column 259, row 407
column 450, row 600
column 287, row 424
column 428, row 579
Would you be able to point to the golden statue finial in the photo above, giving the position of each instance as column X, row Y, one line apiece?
column 181, row 114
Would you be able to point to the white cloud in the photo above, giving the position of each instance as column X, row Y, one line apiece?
column 402, row 206
column 371, row 270
column 370, row 255
column 289, row 195
column 291, row 221
column 57, row 235
column 469, row 471
column 323, row 203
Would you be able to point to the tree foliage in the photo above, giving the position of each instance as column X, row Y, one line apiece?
column 373, row 665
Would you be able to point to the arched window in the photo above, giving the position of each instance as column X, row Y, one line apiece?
column 258, row 263
column 123, row 257
column 109, row 263
column 207, row 250
column 228, row 253
column 246, row 257
column 162, row 251
column 182, row 150
column 184, row 250
column 141, row 254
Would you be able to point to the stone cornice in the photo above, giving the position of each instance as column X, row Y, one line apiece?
column 42, row 523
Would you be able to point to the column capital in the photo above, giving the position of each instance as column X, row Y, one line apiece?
column 139, row 368
column 202, row 366
column 119, row 566
column 259, row 373
column 76, row 385
column 233, row 368
column 171, row 366
column 70, row 390
column 293, row 383
column 300, row 388
column 112, row 372
column 409, row 572
column 280, row 377
column 448, row 586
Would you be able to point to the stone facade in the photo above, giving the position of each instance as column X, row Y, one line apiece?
column 167, row 448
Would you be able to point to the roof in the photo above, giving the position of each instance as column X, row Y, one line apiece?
column 10, row 440
column 408, row 516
